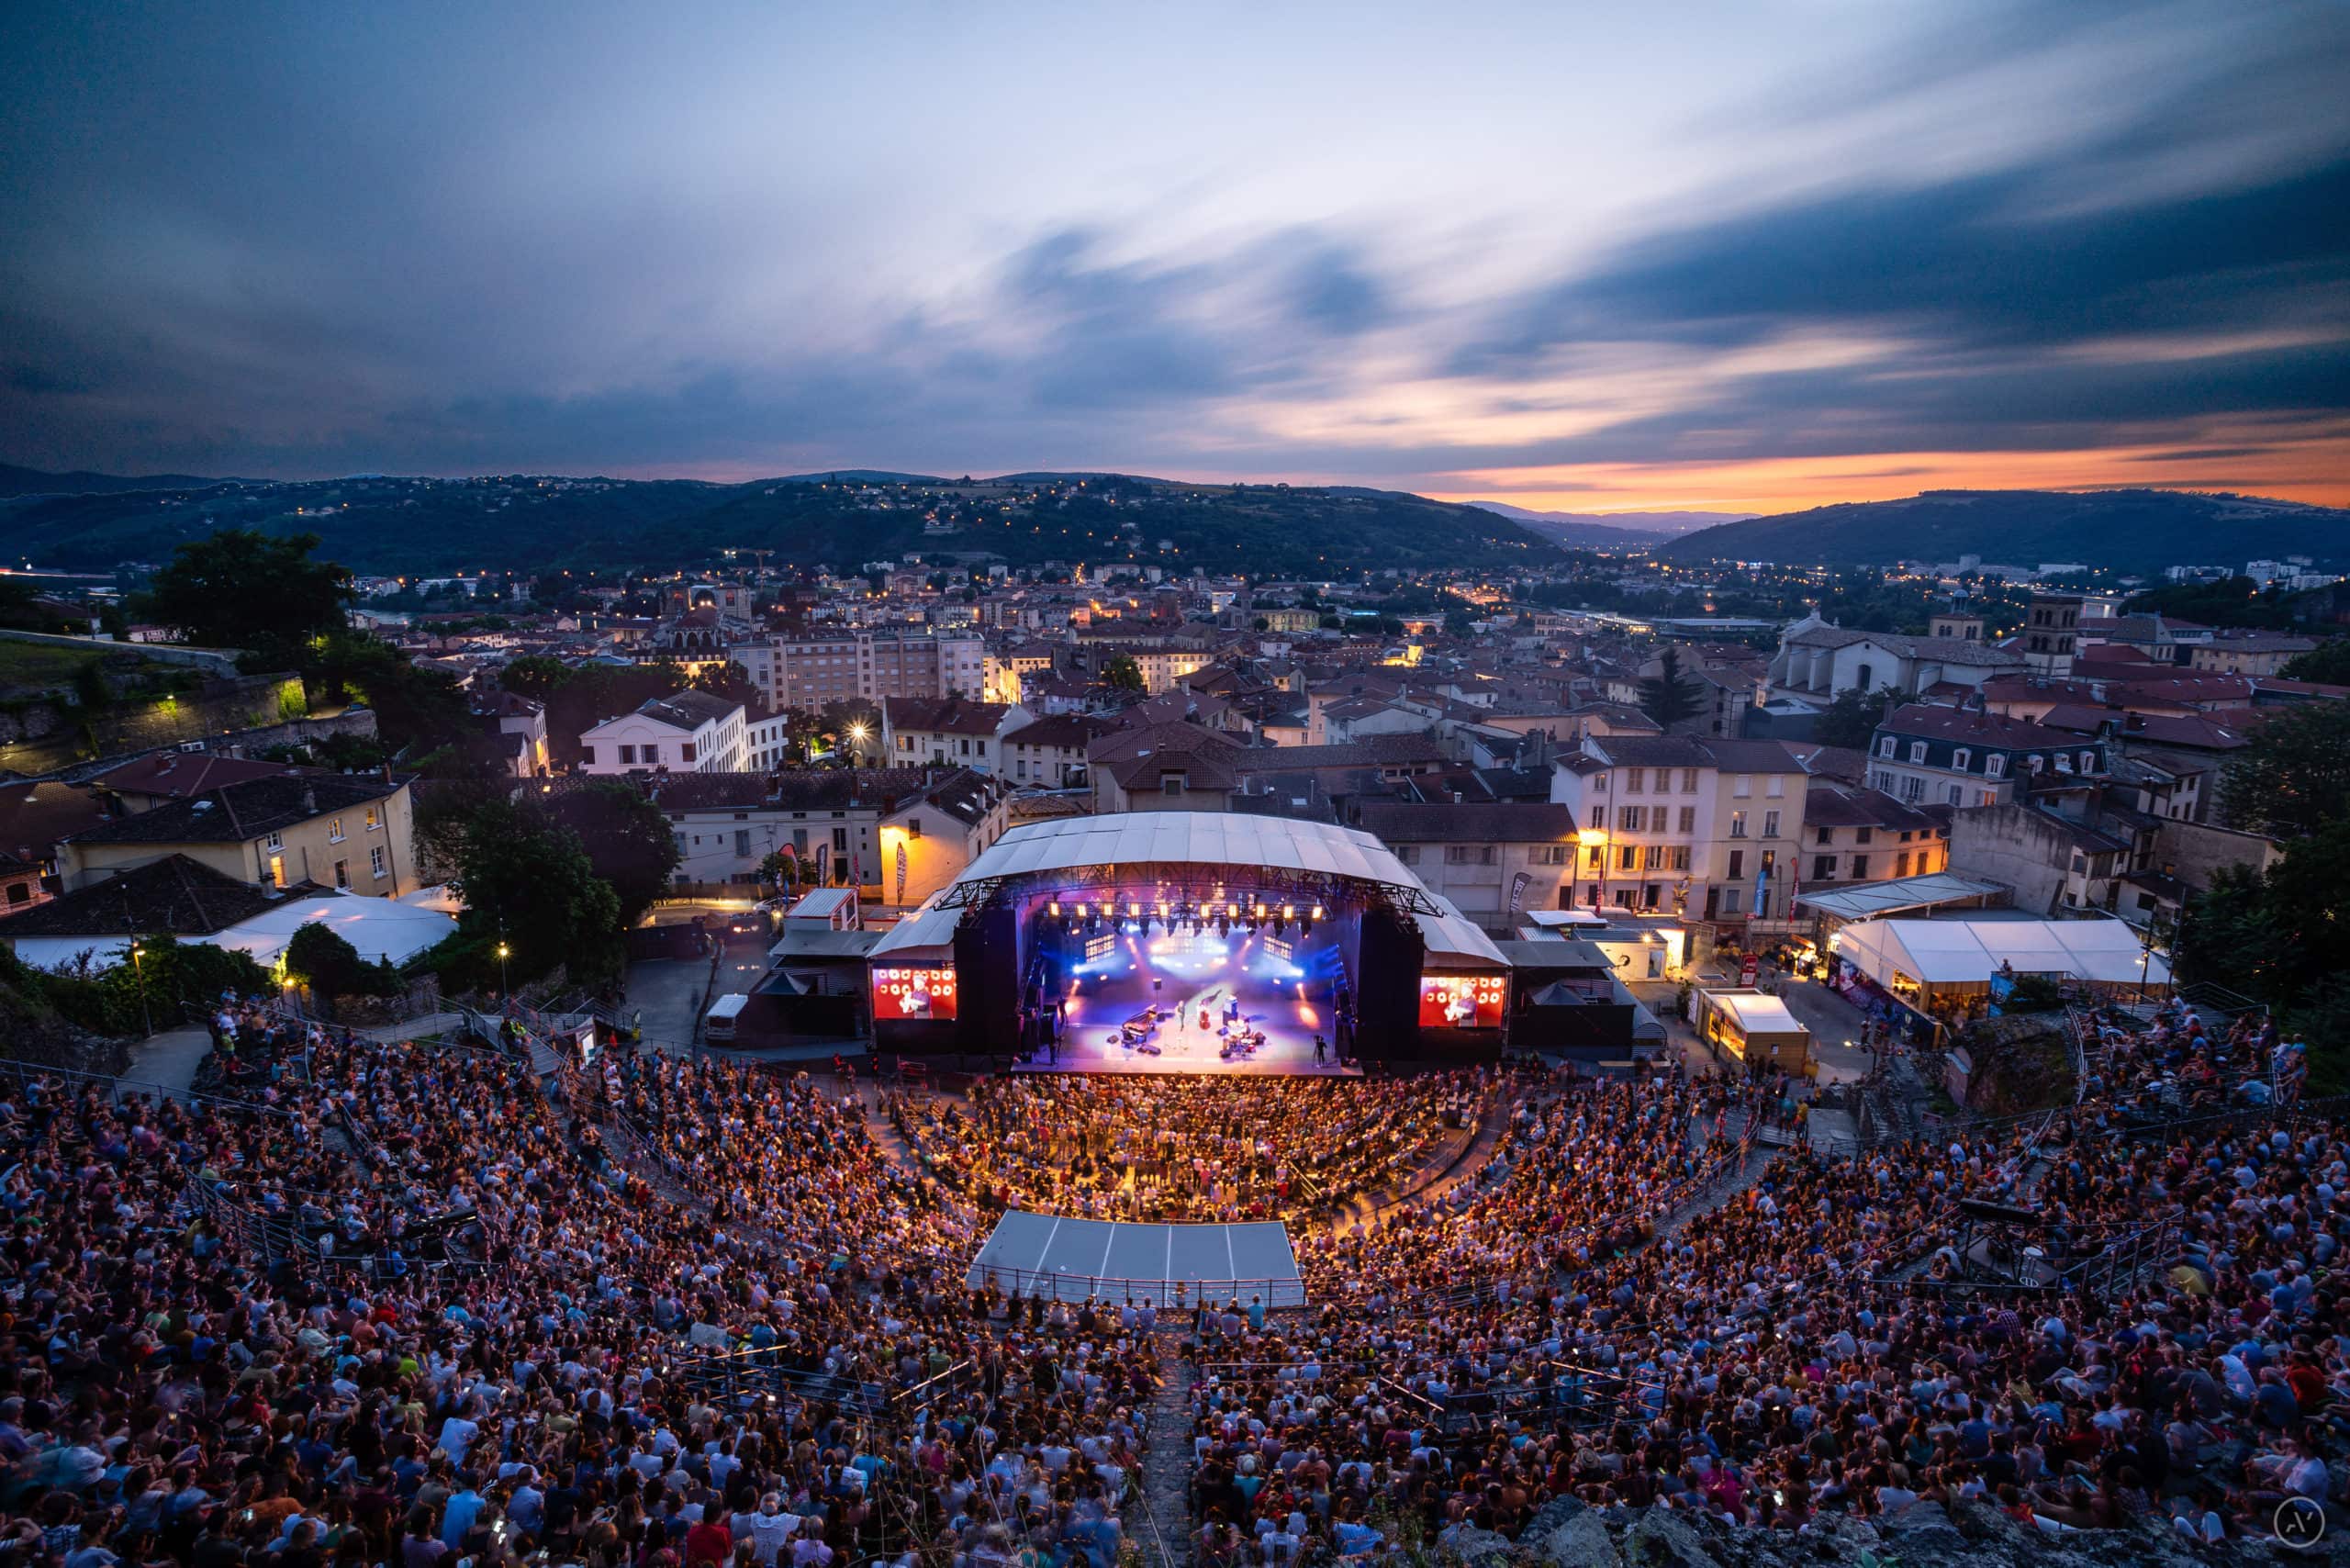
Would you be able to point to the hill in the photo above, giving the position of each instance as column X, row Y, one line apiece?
column 1647, row 524
column 2127, row 531
column 15, row 481
column 377, row 524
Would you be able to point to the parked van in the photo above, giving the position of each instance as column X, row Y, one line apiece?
column 718, row 1025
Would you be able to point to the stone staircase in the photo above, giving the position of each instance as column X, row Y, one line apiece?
column 1161, row 1526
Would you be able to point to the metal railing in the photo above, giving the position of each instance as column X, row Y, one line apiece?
column 1175, row 1295
column 28, row 1077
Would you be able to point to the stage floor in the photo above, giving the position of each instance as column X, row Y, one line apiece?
column 1278, row 1007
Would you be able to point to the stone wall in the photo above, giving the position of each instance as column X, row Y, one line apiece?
column 2194, row 852
column 243, row 703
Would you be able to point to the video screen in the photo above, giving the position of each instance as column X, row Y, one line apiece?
column 1463, row 1002
column 899, row 994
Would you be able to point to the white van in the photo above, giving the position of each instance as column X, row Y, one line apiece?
column 718, row 1023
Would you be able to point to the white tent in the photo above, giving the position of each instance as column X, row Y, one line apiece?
column 378, row 928
column 1969, row 952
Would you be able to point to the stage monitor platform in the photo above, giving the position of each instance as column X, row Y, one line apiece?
column 1070, row 1260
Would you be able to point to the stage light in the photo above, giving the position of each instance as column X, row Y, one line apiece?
column 1134, row 909
column 1054, row 909
column 1317, row 911
column 1232, row 911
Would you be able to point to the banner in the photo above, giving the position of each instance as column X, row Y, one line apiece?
column 1761, row 893
column 1516, row 887
column 901, row 871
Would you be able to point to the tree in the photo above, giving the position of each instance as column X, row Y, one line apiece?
column 1669, row 697
column 1850, row 721
column 527, row 880
column 416, row 710
column 627, row 838
column 732, row 682
column 2328, row 663
column 1122, row 674
column 2276, row 936
column 2293, row 779
column 331, row 966
column 239, row 588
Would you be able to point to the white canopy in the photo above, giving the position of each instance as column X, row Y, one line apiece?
column 1757, row 1014
column 378, row 928
column 1969, row 952
column 1201, row 838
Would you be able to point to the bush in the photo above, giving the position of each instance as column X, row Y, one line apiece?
column 331, row 966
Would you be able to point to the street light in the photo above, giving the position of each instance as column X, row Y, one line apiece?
column 503, row 988
column 139, row 967
column 857, row 733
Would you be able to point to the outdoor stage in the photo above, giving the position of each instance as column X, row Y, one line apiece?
column 1071, row 1259
column 1198, row 1002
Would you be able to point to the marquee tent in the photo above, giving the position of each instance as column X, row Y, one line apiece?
column 1955, row 956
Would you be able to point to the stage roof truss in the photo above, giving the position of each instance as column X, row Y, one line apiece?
column 1188, row 881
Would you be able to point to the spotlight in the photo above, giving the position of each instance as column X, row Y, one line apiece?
column 1134, row 909
column 1317, row 911
column 1054, row 909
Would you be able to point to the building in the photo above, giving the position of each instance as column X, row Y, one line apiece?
column 1052, row 750
column 1493, row 861
column 35, row 817
column 1923, row 753
column 948, row 732
column 1818, row 659
column 519, row 726
column 1853, row 835
column 1169, row 767
column 2252, row 652
column 1705, row 828
column 686, row 731
column 2051, row 629
column 841, row 827
column 353, row 831
column 812, row 671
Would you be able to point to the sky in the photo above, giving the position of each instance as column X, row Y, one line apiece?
column 1746, row 257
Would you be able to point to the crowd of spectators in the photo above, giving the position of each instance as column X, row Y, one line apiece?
column 1186, row 1149
column 394, row 1302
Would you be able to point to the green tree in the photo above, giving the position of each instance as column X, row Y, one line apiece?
column 2328, row 663
column 261, row 592
column 1851, row 720
column 2293, row 778
column 1671, row 697
column 1122, row 674
column 2277, row 937
column 417, row 709
column 331, row 966
column 627, row 838
column 733, row 682
column 526, row 881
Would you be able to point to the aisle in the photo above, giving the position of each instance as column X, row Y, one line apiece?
column 1166, row 1482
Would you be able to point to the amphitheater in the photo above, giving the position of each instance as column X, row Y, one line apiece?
column 357, row 1298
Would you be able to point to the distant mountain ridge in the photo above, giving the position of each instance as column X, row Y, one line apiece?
column 15, row 481
column 2127, row 531
column 391, row 524
column 1657, row 524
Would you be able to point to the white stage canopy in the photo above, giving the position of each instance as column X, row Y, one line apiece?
column 1970, row 952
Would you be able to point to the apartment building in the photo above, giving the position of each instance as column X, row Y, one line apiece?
column 686, row 731
column 897, row 833
column 1854, row 835
column 1051, row 751
column 1493, row 859
column 1705, row 828
column 1923, row 753
column 811, row 670
column 351, row 831
column 947, row 731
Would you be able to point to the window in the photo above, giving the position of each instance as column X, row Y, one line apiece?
column 1770, row 823
column 1913, row 789
column 1689, row 781
column 1917, row 751
column 588, row 756
column 1635, row 780
column 342, row 873
column 742, row 841
column 1827, row 835
column 1953, row 795
column 1742, row 785
column 1775, row 786
column 1552, row 854
column 1172, row 783
column 1688, row 819
column 1629, row 818
column 1592, row 857
column 1627, row 859
column 1823, row 868
column 274, row 842
column 1409, row 854
column 334, row 830
column 2089, row 762
column 1995, row 765
column 686, row 751
column 1738, row 824
column 2031, row 764
column 19, row 892
column 628, row 755
column 1884, row 746
column 376, row 863
column 1961, row 759
column 839, row 841
column 1599, row 818
column 1653, row 860
column 1901, row 864
column 1679, row 859
column 1737, row 864
column 375, row 818
column 1860, row 866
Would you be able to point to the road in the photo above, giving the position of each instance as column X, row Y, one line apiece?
column 668, row 991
